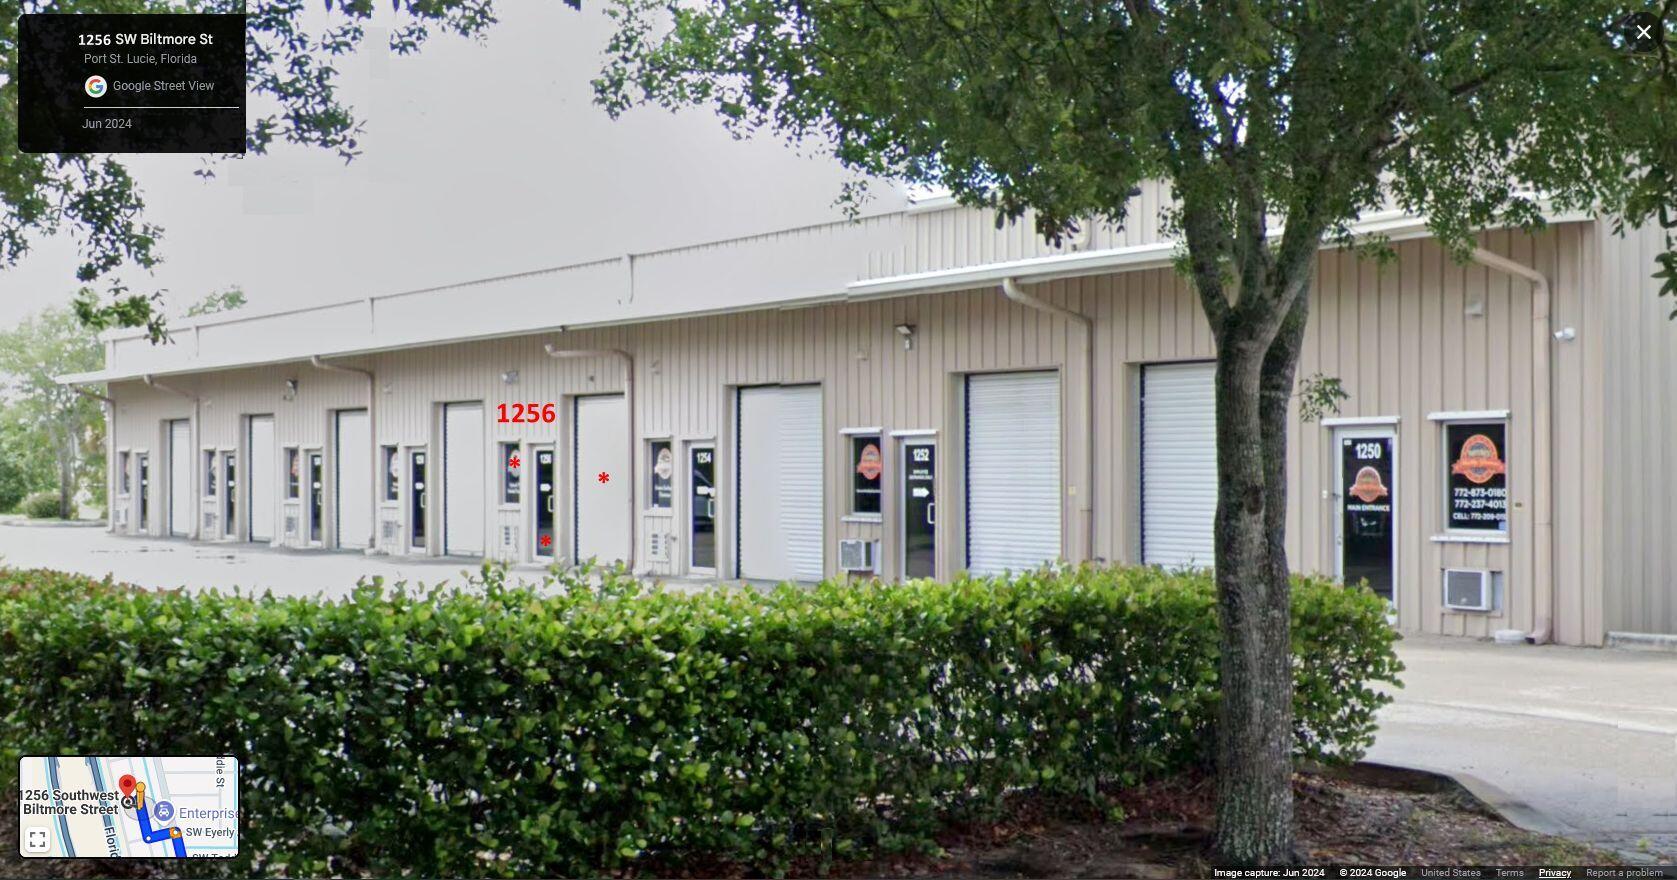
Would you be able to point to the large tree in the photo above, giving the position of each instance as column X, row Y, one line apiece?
column 292, row 77
column 1263, row 115
column 55, row 416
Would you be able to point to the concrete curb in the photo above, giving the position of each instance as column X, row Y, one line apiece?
column 1513, row 810
column 53, row 523
column 1630, row 641
column 1497, row 801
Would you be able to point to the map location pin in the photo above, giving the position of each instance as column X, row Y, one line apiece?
column 126, row 783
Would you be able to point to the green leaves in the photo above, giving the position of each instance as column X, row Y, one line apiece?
column 615, row 728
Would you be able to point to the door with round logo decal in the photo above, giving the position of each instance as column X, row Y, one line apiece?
column 1367, row 510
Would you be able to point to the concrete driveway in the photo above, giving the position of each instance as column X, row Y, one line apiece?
column 152, row 562
column 1587, row 736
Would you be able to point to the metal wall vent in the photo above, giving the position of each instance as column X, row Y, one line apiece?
column 291, row 525
column 658, row 547
column 389, row 529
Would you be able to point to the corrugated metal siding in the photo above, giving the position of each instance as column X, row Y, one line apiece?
column 1399, row 339
column 1639, row 502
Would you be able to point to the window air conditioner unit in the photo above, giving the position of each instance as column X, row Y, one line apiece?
column 389, row 529
column 1467, row 589
column 856, row 554
column 209, row 524
column 658, row 546
column 122, row 516
column 291, row 525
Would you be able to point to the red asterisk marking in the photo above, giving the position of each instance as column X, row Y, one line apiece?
column 547, row 540
column 513, row 462
column 604, row 477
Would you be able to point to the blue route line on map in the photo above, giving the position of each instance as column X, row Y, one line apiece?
column 161, row 834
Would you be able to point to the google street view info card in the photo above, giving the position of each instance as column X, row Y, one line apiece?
column 128, row 807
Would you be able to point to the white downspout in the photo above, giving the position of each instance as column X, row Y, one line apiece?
column 554, row 351
column 1085, row 491
column 372, row 437
column 1543, row 579
column 197, row 490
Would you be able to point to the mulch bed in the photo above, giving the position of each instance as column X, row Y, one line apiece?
column 1365, row 816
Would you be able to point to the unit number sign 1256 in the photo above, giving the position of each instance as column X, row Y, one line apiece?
column 527, row 413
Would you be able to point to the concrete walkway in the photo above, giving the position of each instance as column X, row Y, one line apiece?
column 154, row 562
column 1586, row 736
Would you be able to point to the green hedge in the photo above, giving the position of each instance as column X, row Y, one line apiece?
column 513, row 731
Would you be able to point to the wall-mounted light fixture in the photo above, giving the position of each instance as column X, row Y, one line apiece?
column 510, row 377
column 291, row 389
column 906, row 331
column 1566, row 334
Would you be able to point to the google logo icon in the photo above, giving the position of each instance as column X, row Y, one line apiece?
column 95, row 86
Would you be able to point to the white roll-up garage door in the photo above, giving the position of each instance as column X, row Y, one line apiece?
column 601, row 448
column 1178, row 464
column 353, row 486
column 464, row 466
column 779, row 483
column 180, row 478
column 260, row 497
column 1013, row 471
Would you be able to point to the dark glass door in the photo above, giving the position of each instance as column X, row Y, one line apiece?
column 317, row 495
column 545, row 492
column 1366, row 496
column 230, row 482
column 416, row 499
column 143, row 466
column 702, row 505
column 919, row 510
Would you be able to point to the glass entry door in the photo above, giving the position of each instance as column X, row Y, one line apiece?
column 701, row 506
column 416, row 499
column 919, row 509
column 1367, row 509
column 317, row 494
column 546, row 490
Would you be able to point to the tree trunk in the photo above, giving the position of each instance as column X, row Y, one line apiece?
column 1254, row 730
column 65, row 441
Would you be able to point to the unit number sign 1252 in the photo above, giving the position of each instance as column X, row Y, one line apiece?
column 527, row 413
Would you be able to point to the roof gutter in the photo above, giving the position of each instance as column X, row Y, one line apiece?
column 1542, row 454
column 372, row 442
column 554, row 351
column 1083, row 491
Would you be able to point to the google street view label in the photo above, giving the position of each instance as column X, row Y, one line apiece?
column 95, row 807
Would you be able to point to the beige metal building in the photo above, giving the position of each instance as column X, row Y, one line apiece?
column 919, row 392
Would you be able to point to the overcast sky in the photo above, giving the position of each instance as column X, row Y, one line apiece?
column 479, row 159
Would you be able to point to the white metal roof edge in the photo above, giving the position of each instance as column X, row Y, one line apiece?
column 1393, row 225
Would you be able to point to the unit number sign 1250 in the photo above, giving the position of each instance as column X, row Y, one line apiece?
column 527, row 413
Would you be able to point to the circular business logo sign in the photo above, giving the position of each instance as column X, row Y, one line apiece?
column 869, row 465
column 665, row 466
column 1367, row 486
column 95, row 86
column 1479, row 461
